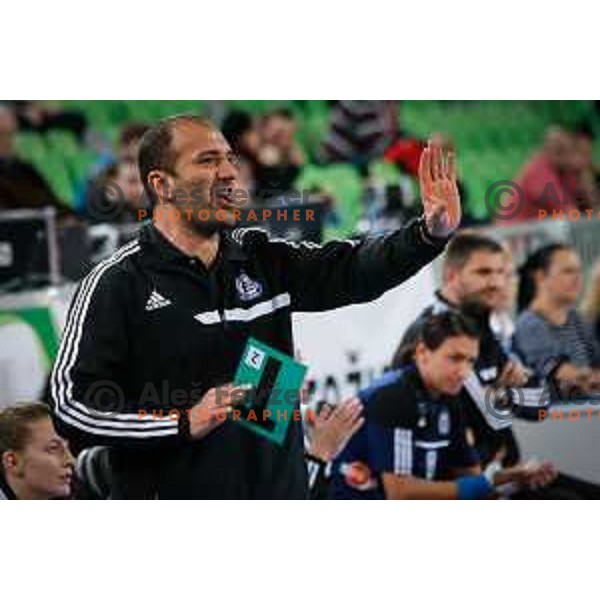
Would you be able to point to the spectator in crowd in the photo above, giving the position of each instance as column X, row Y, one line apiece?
column 280, row 159
column 21, row 185
column 551, row 180
column 405, row 153
column 42, row 116
column 129, row 182
column 35, row 463
column 589, row 174
column 501, row 320
column 269, row 157
column 551, row 335
column 241, row 131
column 328, row 434
column 414, row 444
column 262, row 159
column 107, row 168
column 117, row 196
column 591, row 302
column 361, row 130
column 386, row 207
column 129, row 141
column 117, row 181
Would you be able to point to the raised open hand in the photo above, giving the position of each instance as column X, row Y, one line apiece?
column 439, row 191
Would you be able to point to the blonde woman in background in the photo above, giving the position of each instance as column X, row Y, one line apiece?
column 590, row 306
column 501, row 320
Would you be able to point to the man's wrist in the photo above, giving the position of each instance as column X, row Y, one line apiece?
column 427, row 236
column 184, row 426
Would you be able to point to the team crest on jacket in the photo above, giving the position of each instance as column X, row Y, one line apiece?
column 444, row 423
column 247, row 288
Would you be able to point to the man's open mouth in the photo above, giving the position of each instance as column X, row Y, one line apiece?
column 224, row 197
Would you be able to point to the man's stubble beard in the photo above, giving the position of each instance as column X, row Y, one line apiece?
column 209, row 228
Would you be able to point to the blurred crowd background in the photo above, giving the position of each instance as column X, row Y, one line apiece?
column 358, row 158
column 71, row 167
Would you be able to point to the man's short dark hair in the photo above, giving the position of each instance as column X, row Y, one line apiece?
column 465, row 244
column 14, row 425
column 156, row 151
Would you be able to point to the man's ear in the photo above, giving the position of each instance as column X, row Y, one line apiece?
column 449, row 274
column 9, row 461
column 161, row 185
column 421, row 351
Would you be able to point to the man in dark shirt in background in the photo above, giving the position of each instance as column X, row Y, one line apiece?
column 21, row 185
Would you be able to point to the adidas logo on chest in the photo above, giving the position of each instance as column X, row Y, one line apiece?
column 156, row 301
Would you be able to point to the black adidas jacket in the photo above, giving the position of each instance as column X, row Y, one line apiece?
column 152, row 328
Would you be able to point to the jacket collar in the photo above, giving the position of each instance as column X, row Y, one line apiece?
column 442, row 302
column 413, row 377
column 6, row 492
column 152, row 239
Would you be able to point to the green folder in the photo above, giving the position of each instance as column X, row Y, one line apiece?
column 276, row 381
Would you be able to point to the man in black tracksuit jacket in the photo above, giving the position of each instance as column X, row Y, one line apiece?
column 154, row 327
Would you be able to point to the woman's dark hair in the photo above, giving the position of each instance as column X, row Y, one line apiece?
column 433, row 330
column 234, row 126
column 540, row 260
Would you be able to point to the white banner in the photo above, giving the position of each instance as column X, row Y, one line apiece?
column 347, row 348
column 30, row 326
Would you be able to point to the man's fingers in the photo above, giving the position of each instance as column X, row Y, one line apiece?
column 514, row 374
column 451, row 166
column 348, row 410
column 220, row 413
column 549, row 472
column 239, row 394
column 509, row 371
column 425, row 168
column 539, row 476
column 324, row 413
column 228, row 394
column 356, row 426
column 208, row 414
column 437, row 170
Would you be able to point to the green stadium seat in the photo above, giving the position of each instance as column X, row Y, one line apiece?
column 493, row 140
